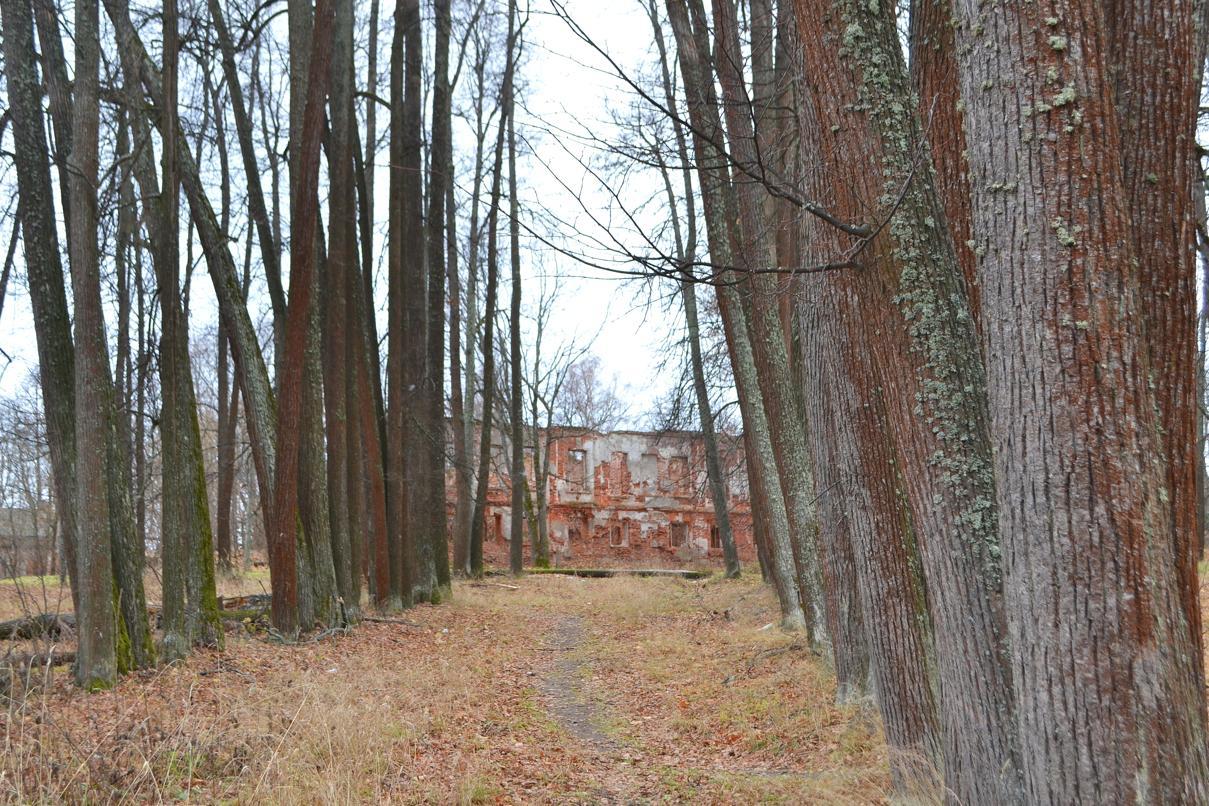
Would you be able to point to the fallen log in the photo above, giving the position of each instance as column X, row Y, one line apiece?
column 23, row 663
column 52, row 625
column 245, row 602
column 48, row 625
column 606, row 573
column 389, row 620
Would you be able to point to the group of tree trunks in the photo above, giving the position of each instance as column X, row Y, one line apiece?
column 989, row 519
column 958, row 300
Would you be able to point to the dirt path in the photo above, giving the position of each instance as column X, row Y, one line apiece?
column 580, row 716
column 563, row 690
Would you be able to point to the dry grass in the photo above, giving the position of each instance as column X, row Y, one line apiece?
column 706, row 707
column 33, row 595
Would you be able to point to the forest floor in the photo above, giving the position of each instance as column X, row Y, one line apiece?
column 544, row 689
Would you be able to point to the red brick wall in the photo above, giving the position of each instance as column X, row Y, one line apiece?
column 635, row 487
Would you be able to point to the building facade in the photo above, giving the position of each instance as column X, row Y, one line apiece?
column 28, row 541
column 622, row 498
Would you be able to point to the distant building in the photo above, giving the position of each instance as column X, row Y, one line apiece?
column 28, row 541
column 625, row 497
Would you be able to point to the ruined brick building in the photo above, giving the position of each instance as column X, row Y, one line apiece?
column 623, row 498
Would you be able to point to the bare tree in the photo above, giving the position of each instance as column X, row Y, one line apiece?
column 477, row 521
column 516, row 414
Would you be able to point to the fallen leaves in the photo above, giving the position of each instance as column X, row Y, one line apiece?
column 447, row 705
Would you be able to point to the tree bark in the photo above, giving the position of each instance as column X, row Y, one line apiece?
column 342, row 467
column 417, row 440
column 282, row 561
column 459, row 402
column 925, row 353
column 96, row 661
column 396, row 484
column 880, row 630
column 1091, row 546
column 934, row 77
column 1155, row 63
column 175, row 519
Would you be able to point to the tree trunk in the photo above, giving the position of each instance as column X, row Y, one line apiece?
column 316, row 538
column 926, row 357
column 227, row 426
column 1155, row 63
column 440, row 177
column 259, row 403
column 871, row 532
column 190, row 613
column 716, row 200
column 396, row 486
column 96, row 663
column 1092, row 549
column 516, row 544
column 417, row 439
column 764, row 323
column 478, row 518
column 934, row 78
column 48, row 298
column 878, row 616
column 460, row 404
column 686, row 254
column 342, row 466
column 175, row 508
column 465, row 497
column 304, row 219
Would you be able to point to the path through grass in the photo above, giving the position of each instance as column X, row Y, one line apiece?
column 565, row 690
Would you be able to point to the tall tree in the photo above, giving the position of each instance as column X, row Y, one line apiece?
column 259, row 401
column 764, row 324
column 365, row 406
column 478, row 518
column 440, row 160
column 720, row 212
column 342, row 257
column 465, row 502
column 396, row 417
column 686, row 253
column 516, row 414
column 418, row 440
column 304, row 221
column 96, row 662
column 175, row 522
column 43, row 266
